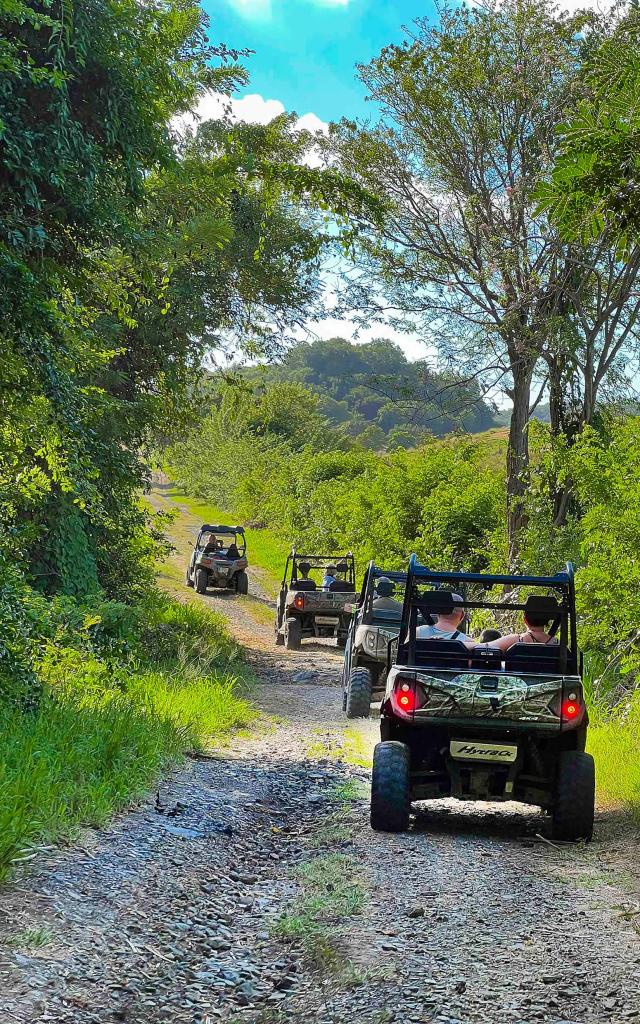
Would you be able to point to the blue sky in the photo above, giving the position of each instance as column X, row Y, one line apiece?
column 306, row 50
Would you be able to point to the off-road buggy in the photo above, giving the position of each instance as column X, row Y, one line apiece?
column 365, row 655
column 219, row 559
column 307, row 609
column 483, row 724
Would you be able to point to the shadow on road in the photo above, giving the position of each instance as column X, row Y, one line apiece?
column 511, row 824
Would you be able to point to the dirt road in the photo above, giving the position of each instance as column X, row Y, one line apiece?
column 256, row 891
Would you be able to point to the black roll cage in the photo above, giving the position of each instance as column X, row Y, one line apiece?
column 294, row 558
column 425, row 603
column 225, row 531
column 373, row 572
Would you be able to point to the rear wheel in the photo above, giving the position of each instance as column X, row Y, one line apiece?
column 202, row 581
column 574, row 805
column 242, row 583
column 279, row 635
column 292, row 634
column 358, row 702
column 390, row 787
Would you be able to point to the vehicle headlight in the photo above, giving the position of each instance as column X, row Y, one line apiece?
column 371, row 640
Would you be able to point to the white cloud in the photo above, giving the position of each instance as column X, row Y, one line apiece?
column 261, row 10
column 312, row 123
column 250, row 109
column 252, row 9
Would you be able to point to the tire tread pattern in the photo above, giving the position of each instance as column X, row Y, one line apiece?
column 390, row 787
column 573, row 809
column 359, row 685
column 293, row 634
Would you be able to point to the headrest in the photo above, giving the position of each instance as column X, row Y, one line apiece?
column 439, row 602
column 342, row 567
column 304, row 568
column 540, row 606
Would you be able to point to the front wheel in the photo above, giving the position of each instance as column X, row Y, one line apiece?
column 202, row 581
column 242, row 583
column 358, row 693
column 292, row 634
column 390, row 787
column 574, row 806
column 188, row 580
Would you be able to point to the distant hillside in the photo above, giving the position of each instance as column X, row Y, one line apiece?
column 376, row 395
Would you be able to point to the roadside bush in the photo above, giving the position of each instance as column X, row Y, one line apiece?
column 22, row 618
column 125, row 690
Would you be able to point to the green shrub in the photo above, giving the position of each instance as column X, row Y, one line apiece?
column 126, row 690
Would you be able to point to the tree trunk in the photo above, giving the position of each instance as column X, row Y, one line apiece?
column 518, row 455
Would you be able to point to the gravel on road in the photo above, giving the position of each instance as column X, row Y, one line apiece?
column 196, row 907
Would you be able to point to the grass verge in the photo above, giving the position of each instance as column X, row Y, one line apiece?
column 350, row 747
column 126, row 694
column 614, row 741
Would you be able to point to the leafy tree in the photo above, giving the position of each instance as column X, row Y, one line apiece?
column 375, row 385
column 594, row 188
column 127, row 253
column 470, row 108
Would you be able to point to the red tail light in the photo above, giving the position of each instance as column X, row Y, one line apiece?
column 407, row 701
column 407, row 696
column 299, row 601
column 572, row 707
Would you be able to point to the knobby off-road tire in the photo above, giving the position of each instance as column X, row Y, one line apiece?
column 292, row 634
column 358, row 703
column 242, row 583
column 390, row 787
column 573, row 809
column 279, row 635
column 202, row 580
column 188, row 580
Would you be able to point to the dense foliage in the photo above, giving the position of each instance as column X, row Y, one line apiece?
column 376, row 395
column 470, row 105
column 132, row 246
column 129, row 248
column 595, row 184
column 276, row 462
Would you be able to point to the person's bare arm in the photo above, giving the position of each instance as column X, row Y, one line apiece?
column 505, row 642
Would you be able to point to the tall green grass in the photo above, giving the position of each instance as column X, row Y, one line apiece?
column 108, row 726
column 614, row 741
